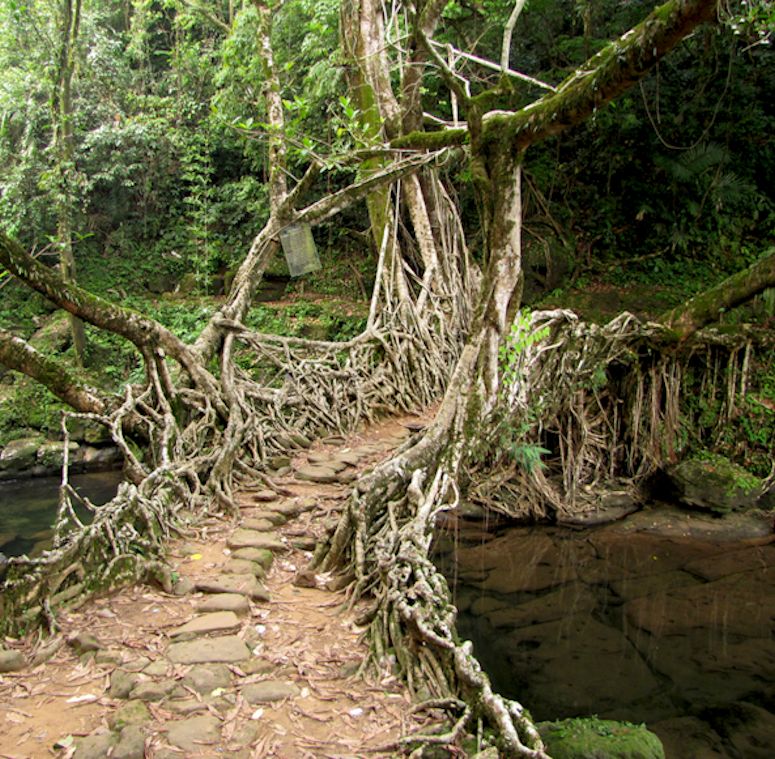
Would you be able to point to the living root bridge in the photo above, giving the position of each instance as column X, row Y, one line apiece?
column 606, row 400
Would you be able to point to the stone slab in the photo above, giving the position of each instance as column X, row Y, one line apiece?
column 192, row 733
column 246, row 585
column 273, row 516
column 207, row 623
column 237, row 566
column 262, row 556
column 225, row 649
column 260, row 525
column 234, row 602
column 268, row 691
column 316, row 473
column 242, row 538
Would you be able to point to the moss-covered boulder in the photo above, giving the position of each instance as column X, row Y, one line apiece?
column 714, row 483
column 20, row 454
column 592, row 738
column 51, row 454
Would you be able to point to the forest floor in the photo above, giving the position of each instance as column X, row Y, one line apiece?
column 251, row 656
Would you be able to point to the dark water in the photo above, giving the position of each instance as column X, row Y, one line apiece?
column 661, row 629
column 28, row 507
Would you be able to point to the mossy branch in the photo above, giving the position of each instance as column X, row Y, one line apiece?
column 706, row 307
column 19, row 355
column 598, row 81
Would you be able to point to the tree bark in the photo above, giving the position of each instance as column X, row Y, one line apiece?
column 706, row 307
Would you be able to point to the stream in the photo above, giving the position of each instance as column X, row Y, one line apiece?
column 28, row 507
column 645, row 620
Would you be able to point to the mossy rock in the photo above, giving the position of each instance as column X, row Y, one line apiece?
column 51, row 453
column 714, row 483
column 20, row 454
column 592, row 738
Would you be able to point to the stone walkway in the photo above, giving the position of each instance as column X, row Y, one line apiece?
column 252, row 655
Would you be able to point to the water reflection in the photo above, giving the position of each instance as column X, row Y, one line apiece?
column 28, row 507
column 625, row 625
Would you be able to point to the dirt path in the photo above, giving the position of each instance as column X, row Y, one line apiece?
column 250, row 657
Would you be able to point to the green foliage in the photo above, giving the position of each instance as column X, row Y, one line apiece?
column 520, row 338
column 513, row 436
column 593, row 738
column 28, row 406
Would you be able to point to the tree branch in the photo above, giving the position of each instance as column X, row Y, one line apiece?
column 145, row 333
column 19, row 355
column 706, row 307
column 604, row 76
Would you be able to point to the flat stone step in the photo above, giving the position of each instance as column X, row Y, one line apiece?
column 264, row 496
column 244, row 567
column 269, row 690
column 260, row 525
column 207, row 623
column 316, row 473
column 226, row 649
column 349, row 459
column 247, row 585
column 274, row 516
column 242, row 538
column 262, row 556
column 234, row 602
column 191, row 733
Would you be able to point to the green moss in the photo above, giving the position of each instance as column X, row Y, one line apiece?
column 593, row 738
column 721, row 468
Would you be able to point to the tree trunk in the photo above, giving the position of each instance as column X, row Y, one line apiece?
column 64, row 152
column 708, row 306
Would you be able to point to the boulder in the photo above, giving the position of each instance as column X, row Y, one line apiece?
column 593, row 738
column 51, row 454
column 714, row 484
column 20, row 454
column 11, row 661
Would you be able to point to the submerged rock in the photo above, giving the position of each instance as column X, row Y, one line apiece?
column 592, row 738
